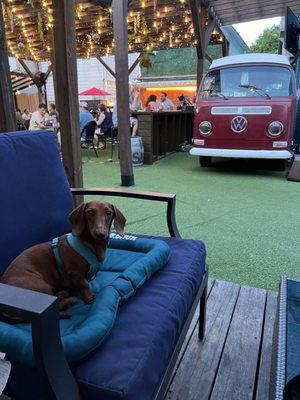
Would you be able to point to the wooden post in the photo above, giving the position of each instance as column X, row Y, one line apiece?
column 65, row 66
column 203, row 32
column 200, row 70
column 7, row 105
column 120, row 9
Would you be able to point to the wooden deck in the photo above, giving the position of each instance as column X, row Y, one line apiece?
column 233, row 362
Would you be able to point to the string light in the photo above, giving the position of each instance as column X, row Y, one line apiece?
column 168, row 26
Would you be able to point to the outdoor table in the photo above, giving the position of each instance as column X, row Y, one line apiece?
column 163, row 132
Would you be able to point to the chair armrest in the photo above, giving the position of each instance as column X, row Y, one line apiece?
column 23, row 303
column 41, row 310
column 168, row 198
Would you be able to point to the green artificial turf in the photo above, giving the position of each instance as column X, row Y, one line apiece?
column 248, row 218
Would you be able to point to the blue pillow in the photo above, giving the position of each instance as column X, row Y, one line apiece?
column 128, row 264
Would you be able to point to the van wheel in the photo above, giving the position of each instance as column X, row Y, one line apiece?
column 205, row 161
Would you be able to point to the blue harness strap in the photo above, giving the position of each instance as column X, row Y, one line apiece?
column 59, row 264
column 81, row 249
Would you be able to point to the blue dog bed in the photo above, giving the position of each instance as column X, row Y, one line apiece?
column 129, row 263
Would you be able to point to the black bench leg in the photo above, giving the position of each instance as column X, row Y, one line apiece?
column 202, row 317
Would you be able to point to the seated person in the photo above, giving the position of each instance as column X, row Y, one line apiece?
column 134, row 105
column 151, row 104
column 165, row 104
column 20, row 120
column 84, row 118
column 39, row 118
column 132, row 120
column 104, row 122
column 26, row 117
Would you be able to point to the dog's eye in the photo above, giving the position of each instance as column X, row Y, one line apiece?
column 108, row 213
column 91, row 212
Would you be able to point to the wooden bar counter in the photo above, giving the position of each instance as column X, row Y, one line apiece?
column 163, row 132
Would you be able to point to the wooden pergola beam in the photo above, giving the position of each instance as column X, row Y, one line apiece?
column 203, row 31
column 131, row 69
column 65, row 65
column 41, row 94
column 197, row 27
column 107, row 67
column 208, row 57
column 48, row 72
column 21, row 87
column 120, row 9
column 28, row 71
column 7, row 104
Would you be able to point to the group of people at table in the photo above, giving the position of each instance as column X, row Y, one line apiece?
column 42, row 118
column 105, row 120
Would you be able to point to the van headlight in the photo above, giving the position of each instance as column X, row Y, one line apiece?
column 275, row 128
column 205, row 128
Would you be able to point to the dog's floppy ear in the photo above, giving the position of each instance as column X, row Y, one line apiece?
column 119, row 221
column 77, row 220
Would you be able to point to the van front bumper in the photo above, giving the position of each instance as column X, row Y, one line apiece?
column 233, row 153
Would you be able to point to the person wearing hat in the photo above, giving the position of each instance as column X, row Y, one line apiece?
column 84, row 118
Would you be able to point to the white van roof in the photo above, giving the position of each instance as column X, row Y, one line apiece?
column 251, row 58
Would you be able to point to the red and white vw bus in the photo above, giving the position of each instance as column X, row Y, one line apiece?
column 246, row 108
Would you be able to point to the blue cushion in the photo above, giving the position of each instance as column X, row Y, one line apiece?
column 130, row 364
column 34, row 192
column 128, row 264
column 293, row 329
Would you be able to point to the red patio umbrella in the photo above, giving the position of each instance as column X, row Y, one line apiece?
column 94, row 92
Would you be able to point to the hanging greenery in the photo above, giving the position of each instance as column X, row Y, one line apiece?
column 131, row 37
column 145, row 61
column 21, row 46
column 31, row 3
column 40, row 26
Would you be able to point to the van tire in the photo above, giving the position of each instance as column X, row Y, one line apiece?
column 205, row 161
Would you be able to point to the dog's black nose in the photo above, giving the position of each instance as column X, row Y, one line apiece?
column 100, row 233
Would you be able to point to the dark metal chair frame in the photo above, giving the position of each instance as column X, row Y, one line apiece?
column 280, row 389
column 42, row 311
column 90, row 129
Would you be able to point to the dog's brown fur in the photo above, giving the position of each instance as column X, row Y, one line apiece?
column 36, row 269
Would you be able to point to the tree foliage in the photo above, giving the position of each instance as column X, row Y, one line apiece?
column 267, row 42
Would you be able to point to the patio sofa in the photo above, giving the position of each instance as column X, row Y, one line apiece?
column 285, row 369
column 137, row 359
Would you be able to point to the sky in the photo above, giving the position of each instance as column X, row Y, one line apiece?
column 251, row 30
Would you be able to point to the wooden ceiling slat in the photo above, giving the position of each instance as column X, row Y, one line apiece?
column 22, row 82
column 234, row 11
column 263, row 7
column 228, row 11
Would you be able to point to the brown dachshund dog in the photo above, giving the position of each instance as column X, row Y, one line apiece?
column 36, row 269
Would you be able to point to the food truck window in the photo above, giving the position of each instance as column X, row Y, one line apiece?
column 231, row 82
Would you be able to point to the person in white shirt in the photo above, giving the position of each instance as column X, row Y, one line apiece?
column 38, row 118
column 165, row 104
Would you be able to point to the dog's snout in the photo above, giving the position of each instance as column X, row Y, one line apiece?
column 101, row 233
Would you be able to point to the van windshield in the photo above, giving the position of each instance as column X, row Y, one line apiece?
column 247, row 81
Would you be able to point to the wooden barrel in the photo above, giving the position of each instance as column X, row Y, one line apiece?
column 137, row 150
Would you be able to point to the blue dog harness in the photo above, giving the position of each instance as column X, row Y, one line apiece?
column 81, row 249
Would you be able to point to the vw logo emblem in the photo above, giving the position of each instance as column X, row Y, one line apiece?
column 239, row 124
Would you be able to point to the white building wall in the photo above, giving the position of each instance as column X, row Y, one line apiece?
column 92, row 74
